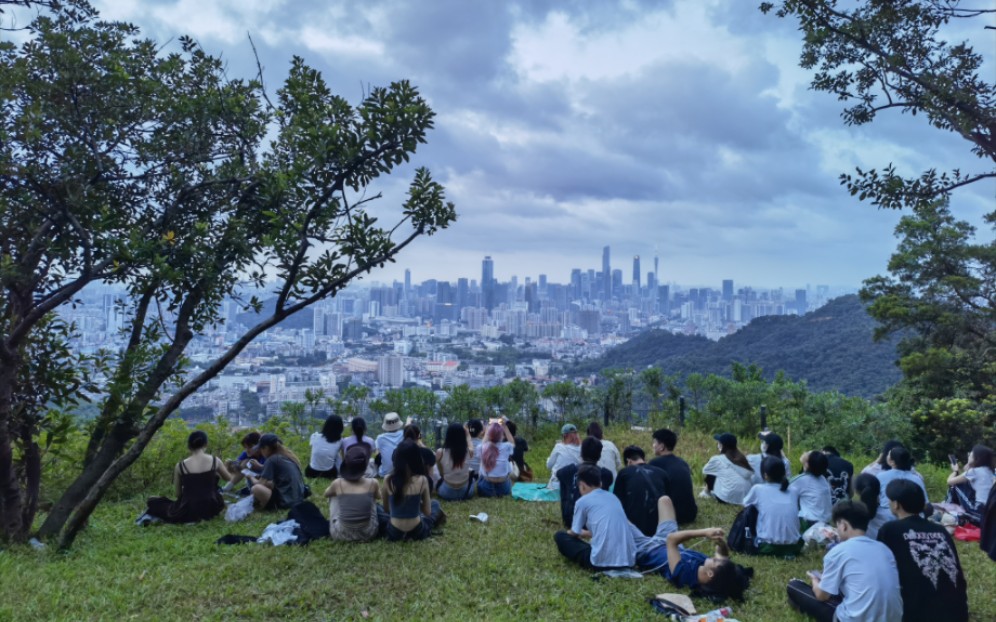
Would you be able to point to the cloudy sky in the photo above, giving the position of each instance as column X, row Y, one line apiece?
column 684, row 126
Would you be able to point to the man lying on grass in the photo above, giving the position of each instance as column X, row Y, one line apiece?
column 714, row 577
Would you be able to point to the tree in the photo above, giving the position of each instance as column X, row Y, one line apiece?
column 879, row 56
column 566, row 395
column 151, row 170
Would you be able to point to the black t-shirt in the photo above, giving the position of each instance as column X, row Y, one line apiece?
column 930, row 575
column 638, row 488
column 682, row 492
column 570, row 492
column 841, row 476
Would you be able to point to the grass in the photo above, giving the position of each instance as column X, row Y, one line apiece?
column 506, row 569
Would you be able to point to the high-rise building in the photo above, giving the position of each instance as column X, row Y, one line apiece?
column 575, row 284
column 616, row 281
column 727, row 290
column 463, row 293
column 488, row 283
column 606, row 275
column 636, row 274
column 391, row 371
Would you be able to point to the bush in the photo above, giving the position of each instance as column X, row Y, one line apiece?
column 951, row 426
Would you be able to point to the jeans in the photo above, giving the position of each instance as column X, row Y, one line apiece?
column 460, row 493
column 802, row 598
column 420, row 532
column 494, row 489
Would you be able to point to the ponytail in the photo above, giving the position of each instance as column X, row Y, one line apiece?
column 869, row 490
column 773, row 470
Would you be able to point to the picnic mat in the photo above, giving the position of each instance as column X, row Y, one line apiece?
column 534, row 492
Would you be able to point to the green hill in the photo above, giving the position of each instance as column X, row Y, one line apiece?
column 830, row 348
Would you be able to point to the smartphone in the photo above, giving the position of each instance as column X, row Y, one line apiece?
column 953, row 459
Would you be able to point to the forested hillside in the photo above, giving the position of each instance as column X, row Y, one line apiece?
column 830, row 348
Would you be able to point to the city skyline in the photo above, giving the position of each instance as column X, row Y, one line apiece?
column 685, row 126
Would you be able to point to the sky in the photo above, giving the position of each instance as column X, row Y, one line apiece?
column 680, row 128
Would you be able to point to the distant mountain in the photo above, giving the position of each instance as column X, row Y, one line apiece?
column 830, row 348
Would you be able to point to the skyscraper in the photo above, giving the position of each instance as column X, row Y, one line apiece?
column 728, row 290
column 636, row 274
column 606, row 275
column 488, row 283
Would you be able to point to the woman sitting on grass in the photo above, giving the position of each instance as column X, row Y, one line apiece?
column 249, row 459
column 354, row 515
column 325, row 446
column 728, row 476
column 476, row 429
column 406, row 494
column 196, row 480
column 971, row 489
column 454, row 464
column 715, row 577
column 280, row 485
column 868, row 490
column 813, row 488
column 496, row 452
column 777, row 511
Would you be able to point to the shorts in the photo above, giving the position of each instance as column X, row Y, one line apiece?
column 665, row 528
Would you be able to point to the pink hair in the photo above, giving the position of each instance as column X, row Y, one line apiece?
column 491, row 439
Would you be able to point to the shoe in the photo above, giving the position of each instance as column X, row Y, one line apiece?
column 147, row 519
column 704, row 495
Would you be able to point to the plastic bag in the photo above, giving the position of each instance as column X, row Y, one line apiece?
column 279, row 533
column 240, row 510
column 819, row 535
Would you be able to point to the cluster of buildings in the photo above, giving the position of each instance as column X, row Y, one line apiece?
column 437, row 333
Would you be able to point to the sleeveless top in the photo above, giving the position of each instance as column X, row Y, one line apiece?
column 410, row 506
column 199, row 497
column 454, row 477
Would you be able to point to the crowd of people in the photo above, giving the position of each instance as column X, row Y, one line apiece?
column 619, row 511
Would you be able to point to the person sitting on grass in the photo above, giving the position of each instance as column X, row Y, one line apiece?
column 413, row 432
column 777, row 511
column 840, row 474
column 476, row 429
column 496, row 454
column 455, row 482
column 716, row 577
column 567, row 451
column 413, row 514
column 771, row 445
column 519, row 455
column 354, row 515
column 358, row 425
column 281, row 484
column 930, row 575
column 570, row 492
column 247, row 460
column 815, row 495
column 681, row 491
column 610, row 459
column 325, row 449
column 901, row 467
column 196, row 481
column 598, row 516
column 971, row 489
column 638, row 487
column 387, row 442
column 882, row 462
column 728, row 475
column 869, row 491
column 859, row 582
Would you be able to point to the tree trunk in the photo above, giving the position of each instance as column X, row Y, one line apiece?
column 31, row 460
column 11, row 522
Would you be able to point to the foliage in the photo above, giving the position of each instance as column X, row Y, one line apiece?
column 408, row 402
column 125, row 163
column 879, row 56
column 952, row 426
column 830, row 348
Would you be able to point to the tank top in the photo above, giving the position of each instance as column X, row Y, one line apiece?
column 454, row 477
column 410, row 506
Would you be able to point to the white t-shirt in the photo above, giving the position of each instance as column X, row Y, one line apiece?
column 474, row 462
column 610, row 459
column 981, row 479
column 864, row 572
column 561, row 456
column 324, row 455
column 755, row 461
column 777, row 513
column 815, row 497
column 882, row 516
column 612, row 543
column 733, row 482
column 386, row 444
column 501, row 469
column 885, row 477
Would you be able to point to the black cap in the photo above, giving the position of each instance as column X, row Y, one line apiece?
column 774, row 442
column 726, row 439
column 267, row 440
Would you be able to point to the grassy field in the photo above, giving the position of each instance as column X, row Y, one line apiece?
column 507, row 569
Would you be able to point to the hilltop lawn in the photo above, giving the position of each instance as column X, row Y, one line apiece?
column 507, row 569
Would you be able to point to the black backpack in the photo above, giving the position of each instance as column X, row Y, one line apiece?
column 744, row 531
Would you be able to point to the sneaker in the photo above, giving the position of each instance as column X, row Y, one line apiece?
column 147, row 519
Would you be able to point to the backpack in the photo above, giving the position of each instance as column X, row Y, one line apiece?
column 744, row 531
